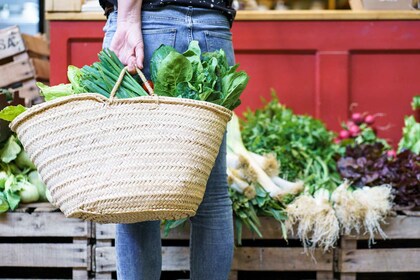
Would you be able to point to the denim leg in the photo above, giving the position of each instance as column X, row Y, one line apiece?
column 138, row 248
column 211, row 245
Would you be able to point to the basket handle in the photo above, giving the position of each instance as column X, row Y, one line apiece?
column 121, row 77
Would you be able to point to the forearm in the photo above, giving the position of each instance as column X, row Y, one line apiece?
column 129, row 11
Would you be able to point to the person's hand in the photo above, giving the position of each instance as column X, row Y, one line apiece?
column 127, row 44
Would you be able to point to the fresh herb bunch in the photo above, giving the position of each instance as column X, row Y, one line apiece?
column 372, row 165
column 302, row 144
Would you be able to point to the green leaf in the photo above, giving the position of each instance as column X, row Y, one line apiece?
column 416, row 102
column 9, row 113
column 13, row 199
column 74, row 74
column 4, row 205
column 173, row 70
column 157, row 58
column 10, row 150
column 411, row 135
column 51, row 93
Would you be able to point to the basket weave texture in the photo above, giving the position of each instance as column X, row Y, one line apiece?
column 125, row 160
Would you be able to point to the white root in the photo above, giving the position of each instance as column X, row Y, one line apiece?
column 315, row 219
column 378, row 203
column 268, row 163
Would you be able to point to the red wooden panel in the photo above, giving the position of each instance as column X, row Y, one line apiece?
column 84, row 52
column 291, row 75
column 326, row 35
column 385, row 82
column 66, row 37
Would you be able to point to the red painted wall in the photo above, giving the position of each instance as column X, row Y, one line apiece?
column 316, row 67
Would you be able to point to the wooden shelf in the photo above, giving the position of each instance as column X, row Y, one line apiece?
column 274, row 15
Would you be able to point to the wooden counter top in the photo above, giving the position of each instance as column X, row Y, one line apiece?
column 277, row 15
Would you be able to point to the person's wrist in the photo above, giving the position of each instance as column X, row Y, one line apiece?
column 129, row 17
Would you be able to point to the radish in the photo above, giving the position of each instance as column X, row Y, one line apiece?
column 354, row 130
column 357, row 118
column 344, row 134
column 370, row 119
column 391, row 153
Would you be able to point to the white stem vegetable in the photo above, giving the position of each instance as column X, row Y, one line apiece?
column 236, row 146
column 268, row 163
column 292, row 188
column 240, row 185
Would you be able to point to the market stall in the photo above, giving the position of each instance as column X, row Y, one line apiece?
column 323, row 162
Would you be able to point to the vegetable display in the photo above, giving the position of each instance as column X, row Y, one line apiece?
column 326, row 205
column 19, row 180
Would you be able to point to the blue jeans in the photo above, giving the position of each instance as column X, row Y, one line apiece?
column 138, row 246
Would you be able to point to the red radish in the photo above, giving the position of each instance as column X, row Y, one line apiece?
column 344, row 134
column 357, row 118
column 337, row 140
column 350, row 124
column 391, row 153
column 369, row 119
column 354, row 130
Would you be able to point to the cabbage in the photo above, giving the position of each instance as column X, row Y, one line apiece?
column 35, row 179
column 28, row 192
column 23, row 161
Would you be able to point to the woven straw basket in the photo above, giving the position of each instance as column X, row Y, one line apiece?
column 124, row 160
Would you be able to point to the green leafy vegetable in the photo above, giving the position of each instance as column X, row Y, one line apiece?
column 416, row 102
column 411, row 135
column 54, row 92
column 9, row 113
column 10, row 150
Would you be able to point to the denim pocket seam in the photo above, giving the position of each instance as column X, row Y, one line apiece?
column 171, row 31
column 161, row 18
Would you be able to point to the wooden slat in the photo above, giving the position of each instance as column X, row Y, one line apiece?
column 275, row 15
column 381, row 260
column 280, row 259
column 270, row 230
column 173, row 259
column 42, row 225
column 37, row 206
column 36, row 44
column 42, row 68
column 400, row 227
column 246, row 259
column 63, row 6
column 16, row 71
column 43, row 255
column 11, row 42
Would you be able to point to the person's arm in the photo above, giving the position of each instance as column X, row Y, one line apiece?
column 128, row 41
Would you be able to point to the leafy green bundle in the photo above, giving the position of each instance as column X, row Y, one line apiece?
column 193, row 75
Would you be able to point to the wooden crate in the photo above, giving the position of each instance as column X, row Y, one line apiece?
column 249, row 257
column 63, row 5
column 387, row 256
column 23, row 59
column 65, row 243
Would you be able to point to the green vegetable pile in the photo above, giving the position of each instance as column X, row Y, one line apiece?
column 19, row 180
column 191, row 75
column 303, row 145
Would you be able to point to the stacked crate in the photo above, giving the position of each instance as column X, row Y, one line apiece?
column 256, row 258
column 396, row 257
column 24, row 59
column 38, row 242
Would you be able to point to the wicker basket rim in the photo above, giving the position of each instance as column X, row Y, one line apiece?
column 102, row 99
